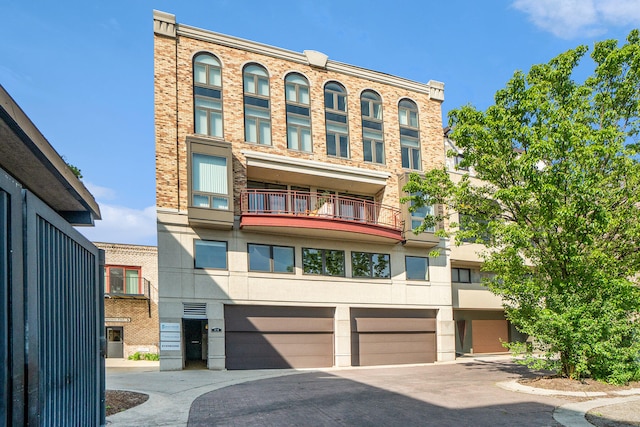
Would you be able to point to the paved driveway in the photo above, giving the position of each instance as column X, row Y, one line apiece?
column 461, row 394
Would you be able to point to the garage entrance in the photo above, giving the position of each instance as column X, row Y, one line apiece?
column 488, row 334
column 276, row 337
column 392, row 336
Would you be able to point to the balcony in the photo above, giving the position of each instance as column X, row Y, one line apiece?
column 319, row 215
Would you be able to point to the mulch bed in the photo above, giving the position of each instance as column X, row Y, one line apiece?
column 566, row 384
column 120, row 400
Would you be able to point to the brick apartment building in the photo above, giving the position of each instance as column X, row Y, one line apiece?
column 282, row 241
column 130, row 299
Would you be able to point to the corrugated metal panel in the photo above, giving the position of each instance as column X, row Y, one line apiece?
column 64, row 322
column 13, row 334
column 4, row 308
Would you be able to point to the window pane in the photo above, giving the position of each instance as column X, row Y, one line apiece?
column 199, row 73
column 263, row 87
column 282, row 259
column 402, row 116
column 292, row 138
column 311, row 261
column 132, row 281
column 297, row 120
column 306, row 140
column 405, row 157
column 331, row 144
column 417, row 268
column 360, row 264
column 344, row 146
column 265, row 132
column 116, row 280
column 328, row 100
column 250, row 130
column 364, row 105
column 413, row 119
column 216, row 124
column 334, row 263
column 377, row 111
column 259, row 258
column 342, row 106
column 415, row 159
column 303, row 93
column 379, row 152
column 200, row 201
column 210, row 254
column 465, row 275
column 333, row 127
column 210, row 174
column 214, row 77
column 290, row 93
column 249, row 84
column 256, row 112
column 381, row 265
column 368, row 154
column 220, row 203
column 208, row 103
column 201, row 122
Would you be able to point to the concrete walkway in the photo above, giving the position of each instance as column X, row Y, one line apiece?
column 459, row 393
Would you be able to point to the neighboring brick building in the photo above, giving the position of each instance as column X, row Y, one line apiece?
column 281, row 237
column 130, row 299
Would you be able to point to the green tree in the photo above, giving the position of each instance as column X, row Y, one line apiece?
column 556, row 201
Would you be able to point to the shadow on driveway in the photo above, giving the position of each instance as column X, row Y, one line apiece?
column 443, row 395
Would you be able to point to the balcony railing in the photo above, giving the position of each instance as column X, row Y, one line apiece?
column 321, row 206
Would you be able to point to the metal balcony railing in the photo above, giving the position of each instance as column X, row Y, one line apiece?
column 317, row 205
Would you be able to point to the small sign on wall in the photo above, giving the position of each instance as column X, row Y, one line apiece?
column 169, row 327
column 170, row 346
column 170, row 336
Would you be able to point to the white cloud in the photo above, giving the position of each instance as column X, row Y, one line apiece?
column 120, row 224
column 572, row 18
column 102, row 193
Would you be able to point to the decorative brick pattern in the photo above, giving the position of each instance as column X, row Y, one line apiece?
column 174, row 116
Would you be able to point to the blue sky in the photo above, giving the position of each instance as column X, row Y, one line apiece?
column 83, row 70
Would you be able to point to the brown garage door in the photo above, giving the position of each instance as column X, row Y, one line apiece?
column 391, row 337
column 267, row 337
column 486, row 335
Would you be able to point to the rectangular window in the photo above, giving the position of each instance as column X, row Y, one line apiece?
column 210, row 254
column 274, row 259
column 122, row 280
column 461, row 275
column 209, row 182
column 323, row 262
column 417, row 268
column 365, row 264
column 418, row 216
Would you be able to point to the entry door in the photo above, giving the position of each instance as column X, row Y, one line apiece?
column 115, row 342
column 195, row 339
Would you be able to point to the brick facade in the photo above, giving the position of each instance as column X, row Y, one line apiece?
column 174, row 116
column 140, row 331
column 185, row 287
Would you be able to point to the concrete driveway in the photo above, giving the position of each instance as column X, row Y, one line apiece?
column 458, row 394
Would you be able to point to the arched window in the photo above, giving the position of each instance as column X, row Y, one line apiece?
column 207, row 95
column 298, row 113
column 257, row 113
column 372, row 140
column 409, row 134
column 335, row 106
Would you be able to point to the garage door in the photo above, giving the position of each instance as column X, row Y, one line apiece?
column 486, row 335
column 266, row 337
column 391, row 337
